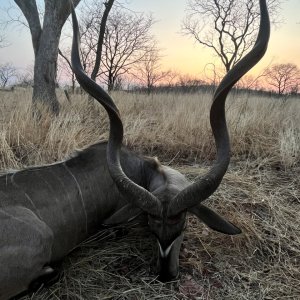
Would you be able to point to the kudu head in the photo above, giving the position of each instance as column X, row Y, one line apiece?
column 169, row 196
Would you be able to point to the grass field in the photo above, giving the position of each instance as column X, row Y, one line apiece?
column 260, row 194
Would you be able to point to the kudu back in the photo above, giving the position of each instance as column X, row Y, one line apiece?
column 47, row 211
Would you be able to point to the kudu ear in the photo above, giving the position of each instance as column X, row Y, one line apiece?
column 213, row 220
column 124, row 215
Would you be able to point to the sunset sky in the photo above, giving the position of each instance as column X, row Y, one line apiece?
column 180, row 52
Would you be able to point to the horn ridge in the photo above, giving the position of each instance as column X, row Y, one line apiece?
column 134, row 193
column 205, row 186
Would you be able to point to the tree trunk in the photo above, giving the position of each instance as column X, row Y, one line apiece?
column 45, row 66
column 108, row 6
column 45, row 40
column 110, row 82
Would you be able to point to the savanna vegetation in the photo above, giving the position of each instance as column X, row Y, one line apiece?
column 260, row 194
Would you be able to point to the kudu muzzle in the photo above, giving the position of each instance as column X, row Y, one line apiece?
column 168, row 260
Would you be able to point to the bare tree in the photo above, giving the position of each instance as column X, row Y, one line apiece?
column 3, row 42
column 25, row 77
column 149, row 71
column 91, row 16
column 212, row 74
column 284, row 78
column 253, row 82
column 228, row 27
column 125, row 42
column 189, row 82
column 108, row 5
column 45, row 35
column 91, row 53
column 65, row 66
column 7, row 72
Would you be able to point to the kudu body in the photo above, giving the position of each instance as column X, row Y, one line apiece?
column 46, row 211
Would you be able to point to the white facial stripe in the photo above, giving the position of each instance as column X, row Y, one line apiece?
column 167, row 251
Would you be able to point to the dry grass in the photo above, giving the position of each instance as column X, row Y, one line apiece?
column 260, row 193
column 174, row 127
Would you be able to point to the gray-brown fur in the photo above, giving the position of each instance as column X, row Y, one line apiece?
column 47, row 211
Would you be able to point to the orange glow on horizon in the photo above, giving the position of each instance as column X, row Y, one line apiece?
column 180, row 53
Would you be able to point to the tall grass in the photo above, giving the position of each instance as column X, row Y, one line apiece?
column 178, row 125
column 171, row 126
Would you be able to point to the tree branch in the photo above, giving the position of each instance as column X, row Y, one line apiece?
column 30, row 11
column 108, row 6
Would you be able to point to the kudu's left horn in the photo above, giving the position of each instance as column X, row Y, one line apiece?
column 134, row 193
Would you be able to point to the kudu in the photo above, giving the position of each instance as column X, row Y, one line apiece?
column 165, row 195
column 46, row 211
